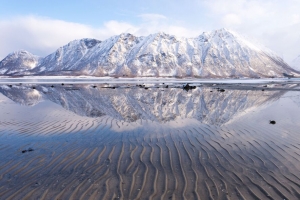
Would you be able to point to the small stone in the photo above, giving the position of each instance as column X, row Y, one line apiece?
column 30, row 149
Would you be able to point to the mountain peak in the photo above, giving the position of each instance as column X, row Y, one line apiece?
column 21, row 52
column 88, row 42
column 126, row 35
column 161, row 35
column 219, row 53
column 19, row 61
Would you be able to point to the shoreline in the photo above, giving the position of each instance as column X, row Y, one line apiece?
column 89, row 79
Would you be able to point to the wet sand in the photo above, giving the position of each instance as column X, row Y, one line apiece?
column 78, row 157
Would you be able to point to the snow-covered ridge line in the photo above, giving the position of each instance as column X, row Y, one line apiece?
column 220, row 53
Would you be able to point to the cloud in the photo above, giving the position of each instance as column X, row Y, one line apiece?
column 231, row 19
column 42, row 36
column 153, row 23
column 274, row 23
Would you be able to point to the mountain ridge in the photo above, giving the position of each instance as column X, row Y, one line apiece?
column 219, row 53
column 296, row 63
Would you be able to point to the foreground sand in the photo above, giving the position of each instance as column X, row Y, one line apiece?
column 197, row 162
column 78, row 157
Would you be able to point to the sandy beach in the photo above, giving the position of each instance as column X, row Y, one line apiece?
column 205, row 144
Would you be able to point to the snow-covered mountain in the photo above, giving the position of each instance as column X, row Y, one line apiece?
column 219, row 53
column 296, row 63
column 19, row 62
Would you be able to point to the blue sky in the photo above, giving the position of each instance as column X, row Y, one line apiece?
column 94, row 13
column 42, row 26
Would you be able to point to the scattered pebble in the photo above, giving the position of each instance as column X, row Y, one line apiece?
column 27, row 150
column 187, row 87
column 272, row 122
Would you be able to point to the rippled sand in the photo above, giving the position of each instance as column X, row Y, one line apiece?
column 77, row 157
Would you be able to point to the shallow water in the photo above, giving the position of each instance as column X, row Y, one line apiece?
column 150, row 141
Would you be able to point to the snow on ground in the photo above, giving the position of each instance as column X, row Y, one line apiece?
column 91, row 79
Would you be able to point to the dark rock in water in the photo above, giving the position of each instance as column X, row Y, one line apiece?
column 10, row 85
column 30, row 149
column 33, row 87
column 262, row 90
column 222, row 90
column 62, row 84
column 52, row 86
column 187, row 87
column 146, row 88
column 167, row 86
column 94, row 86
column 272, row 122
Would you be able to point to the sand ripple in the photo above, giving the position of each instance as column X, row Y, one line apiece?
column 86, row 159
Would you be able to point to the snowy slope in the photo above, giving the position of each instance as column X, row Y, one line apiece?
column 219, row 53
column 296, row 63
column 19, row 61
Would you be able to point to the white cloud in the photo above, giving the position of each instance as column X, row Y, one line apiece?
column 42, row 36
column 153, row 23
column 274, row 23
column 231, row 19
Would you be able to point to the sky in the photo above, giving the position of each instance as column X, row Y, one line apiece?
column 41, row 27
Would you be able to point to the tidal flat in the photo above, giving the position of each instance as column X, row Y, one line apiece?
column 150, row 139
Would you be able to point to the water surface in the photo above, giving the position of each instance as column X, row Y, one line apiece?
column 150, row 140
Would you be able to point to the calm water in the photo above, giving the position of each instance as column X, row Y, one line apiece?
column 150, row 141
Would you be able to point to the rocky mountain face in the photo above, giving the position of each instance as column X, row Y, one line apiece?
column 219, row 53
column 154, row 104
column 19, row 62
column 296, row 63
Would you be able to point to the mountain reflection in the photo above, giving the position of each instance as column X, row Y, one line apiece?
column 205, row 104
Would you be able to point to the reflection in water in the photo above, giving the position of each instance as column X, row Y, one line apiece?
column 155, row 143
column 155, row 104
